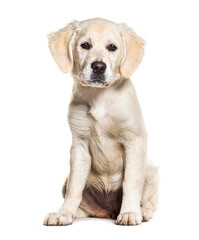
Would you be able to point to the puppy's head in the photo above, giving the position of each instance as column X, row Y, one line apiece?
column 97, row 51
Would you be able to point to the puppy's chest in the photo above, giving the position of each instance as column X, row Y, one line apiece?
column 102, row 124
column 105, row 148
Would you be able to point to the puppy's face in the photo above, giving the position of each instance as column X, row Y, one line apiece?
column 98, row 54
column 97, row 51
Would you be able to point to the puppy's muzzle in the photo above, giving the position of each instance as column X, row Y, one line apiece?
column 99, row 69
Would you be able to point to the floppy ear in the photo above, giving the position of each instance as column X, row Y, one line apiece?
column 60, row 44
column 133, row 51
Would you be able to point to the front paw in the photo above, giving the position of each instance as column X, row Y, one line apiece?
column 129, row 218
column 58, row 219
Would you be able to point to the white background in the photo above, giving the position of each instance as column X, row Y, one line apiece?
column 34, row 96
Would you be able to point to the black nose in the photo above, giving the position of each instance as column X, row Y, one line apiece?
column 98, row 67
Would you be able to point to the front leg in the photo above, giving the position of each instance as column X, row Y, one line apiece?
column 134, row 173
column 79, row 169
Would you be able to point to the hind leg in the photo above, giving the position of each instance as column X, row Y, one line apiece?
column 150, row 193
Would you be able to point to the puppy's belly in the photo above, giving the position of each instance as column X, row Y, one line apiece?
column 100, row 203
column 102, row 195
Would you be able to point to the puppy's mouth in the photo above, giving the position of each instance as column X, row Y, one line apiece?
column 96, row 80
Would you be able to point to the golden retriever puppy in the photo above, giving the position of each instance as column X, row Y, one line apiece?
column 110, row 176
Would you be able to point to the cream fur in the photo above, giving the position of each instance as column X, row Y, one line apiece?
column 109, row 146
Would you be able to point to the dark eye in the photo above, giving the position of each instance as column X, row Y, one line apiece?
column 111, row 47
column 86, row 45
